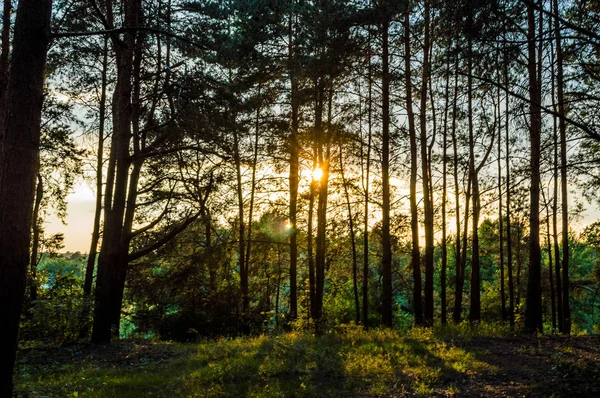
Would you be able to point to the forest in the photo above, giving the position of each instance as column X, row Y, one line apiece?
column 301, row 197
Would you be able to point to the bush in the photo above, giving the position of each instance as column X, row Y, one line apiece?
column 56, row 314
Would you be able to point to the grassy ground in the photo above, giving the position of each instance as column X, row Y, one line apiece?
column 346, row 363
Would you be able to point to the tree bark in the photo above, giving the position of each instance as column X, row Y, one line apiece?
column 425, row 171
column 293, row 177
column 456, row 315
column 352, row 241
column 533, row 310
column 415, row 262
column 475, row 285
column 509, row 270
column 113, row 259
column 387, row 316
column 500, row 217
column 91, row 261
column 559, row 297
column 367, row 175
column 443, row 275
column 35, row 241
column 19, row 163
column 566, row 324
column 4, row 55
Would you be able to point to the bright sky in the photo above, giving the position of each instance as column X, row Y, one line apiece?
column 80, row 218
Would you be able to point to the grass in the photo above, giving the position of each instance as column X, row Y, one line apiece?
column 347, row 363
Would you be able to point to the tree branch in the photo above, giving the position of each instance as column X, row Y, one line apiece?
column 164, row 240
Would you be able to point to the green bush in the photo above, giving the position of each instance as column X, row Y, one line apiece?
column 56, row 314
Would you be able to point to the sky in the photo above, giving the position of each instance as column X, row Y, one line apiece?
column 80, row 219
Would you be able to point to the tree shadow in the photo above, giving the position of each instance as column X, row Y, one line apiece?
column 537, row 367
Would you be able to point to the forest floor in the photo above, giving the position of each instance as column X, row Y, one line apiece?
column 347, row 363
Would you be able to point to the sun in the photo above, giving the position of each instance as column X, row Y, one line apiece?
column 317, row 174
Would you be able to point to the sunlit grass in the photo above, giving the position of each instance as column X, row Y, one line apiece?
column 348, row 362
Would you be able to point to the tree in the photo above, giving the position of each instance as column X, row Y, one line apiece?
column 141, row 134
column 415, row 263
column 426, row 174
column 19, row 152
column 533, row 314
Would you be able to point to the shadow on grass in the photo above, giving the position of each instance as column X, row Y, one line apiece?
column 376, row 363
column 537, row 367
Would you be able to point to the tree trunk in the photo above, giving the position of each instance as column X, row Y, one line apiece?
column 509, row 270
column 443, row 276
column 366, row 182
column 475, row 286
column 89, row 271
column 293, row 177
column 415, row 262
column 324, row 157
column 321, row 203
column 252, row 191
column 4, row 55
column 91, row 260
column 550, row 270
column 456, row 316
column 387, row 316
column 112, row 263
column 244, row 325
column 427, row 195
column 533, row 309
column 310, row 239
column 559, row 299
column 352, row 241
column 566, row 324
column 19, row 163
column 500, row 219
column 35, row 244
column 460, row 281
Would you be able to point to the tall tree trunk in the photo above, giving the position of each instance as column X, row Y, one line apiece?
column 4, row 55
column 19, row 164
column 366, row 182
column 310, row 238
column 475, row 286
column 550, row 269
column 91, row 260
column 89, row 270
column 112, row 262
column 500, row 219
column 252, row 190
column 293, row 177
column 244, row 321
column 387, row 316
column 415, row 261
column 323, row 159
column 533, row 308
column 278, row 287
column 566, row 324
column 35, row 241
column 460, row 282
column 559, row 296
column 352, row 240
column 427, row 195
column 519, row 266
column 456, row 315
column 509, row 270
column 443, row 276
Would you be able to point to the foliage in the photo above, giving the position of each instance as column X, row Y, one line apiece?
column 55, row 315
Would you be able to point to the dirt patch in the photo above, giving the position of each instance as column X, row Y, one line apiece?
column 132, row 353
